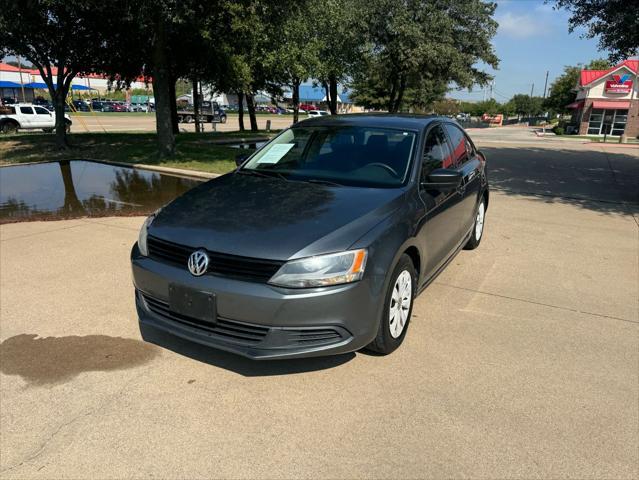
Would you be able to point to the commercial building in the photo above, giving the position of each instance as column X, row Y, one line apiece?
column 607, row 101
column 23, row 83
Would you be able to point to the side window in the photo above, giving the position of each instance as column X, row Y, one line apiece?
column 26, row 110
column 41, row 111
column 459, row 142
column 436, row 152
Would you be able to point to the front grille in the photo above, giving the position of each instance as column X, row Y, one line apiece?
column 313, row 336
column 230, row 330
column 235, row 266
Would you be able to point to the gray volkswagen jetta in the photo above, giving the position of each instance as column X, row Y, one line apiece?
column 319, row 242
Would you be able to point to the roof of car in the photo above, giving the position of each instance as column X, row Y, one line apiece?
column 391, row 120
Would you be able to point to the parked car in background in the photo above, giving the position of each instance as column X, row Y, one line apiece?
column 119, row 107
column 357, row 214
column 307, row 107
column 9, row 101
column 317, row 113
column 24, row 116
column 80, row 106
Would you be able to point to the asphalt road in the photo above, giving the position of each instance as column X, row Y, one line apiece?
column 521, row 361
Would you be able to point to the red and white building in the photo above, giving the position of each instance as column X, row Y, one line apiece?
column 607, row 101
column 13, row 81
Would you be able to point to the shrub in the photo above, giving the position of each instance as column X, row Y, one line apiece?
column 558, row 130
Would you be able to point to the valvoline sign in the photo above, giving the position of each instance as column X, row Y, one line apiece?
column 619, row 84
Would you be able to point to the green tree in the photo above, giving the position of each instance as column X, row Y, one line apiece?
column 563, row 89
column 61, row 38
column 615, row 22
column 414, row 41
column 338, row 27
column 522, row 104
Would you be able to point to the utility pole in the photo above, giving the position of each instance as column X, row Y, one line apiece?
column 546, row 84
column 532, row 88
column 24, row 100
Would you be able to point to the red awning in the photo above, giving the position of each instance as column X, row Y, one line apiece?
column 611, row 104
column 576, row 105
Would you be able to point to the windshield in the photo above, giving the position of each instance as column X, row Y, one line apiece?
column 345, row 155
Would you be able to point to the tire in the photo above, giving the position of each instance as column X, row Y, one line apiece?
column 67, row 127
column 9, row 127
column 223, row 119
column 188, row 119
column 180, row 119
column 478, row 226
column 390, row 333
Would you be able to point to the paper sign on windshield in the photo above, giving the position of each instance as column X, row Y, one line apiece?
column 275, row 153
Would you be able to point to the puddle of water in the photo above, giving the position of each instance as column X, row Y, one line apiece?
column 77, row 188
column 51, row 360
column 248, row 146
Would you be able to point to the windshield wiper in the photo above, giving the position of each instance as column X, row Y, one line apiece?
column 258, row 173
column 322, row 182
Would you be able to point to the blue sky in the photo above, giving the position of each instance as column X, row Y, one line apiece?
column 532, row 38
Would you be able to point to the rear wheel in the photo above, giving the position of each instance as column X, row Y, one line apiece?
column 9, row 127
column 398, row 307
column 478, row 227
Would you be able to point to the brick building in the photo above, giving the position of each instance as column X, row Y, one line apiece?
column 608, row 101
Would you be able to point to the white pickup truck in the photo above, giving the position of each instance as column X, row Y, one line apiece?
column 24, row 116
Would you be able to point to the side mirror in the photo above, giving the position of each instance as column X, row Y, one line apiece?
column 241, row 158
column 443, row 179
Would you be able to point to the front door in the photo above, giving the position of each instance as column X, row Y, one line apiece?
column 439, row 220
column 466, row 160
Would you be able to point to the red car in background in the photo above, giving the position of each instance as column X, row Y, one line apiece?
column 307, row 107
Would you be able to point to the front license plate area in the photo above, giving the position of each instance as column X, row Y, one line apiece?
column 192, row 303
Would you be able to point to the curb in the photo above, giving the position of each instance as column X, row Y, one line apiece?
column 180, row 172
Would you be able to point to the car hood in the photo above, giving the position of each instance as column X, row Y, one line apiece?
column 273, row 218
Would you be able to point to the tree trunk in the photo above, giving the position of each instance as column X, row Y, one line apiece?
column 72, row 204
column 392, row 95
column 296, row 99
column 173, row 104
column 240, row 106
column 196, row 105
column 332, row 86
column 327, row 93
column 60, row 121
column 400, row 94
column 250, row 104
column 162, row 93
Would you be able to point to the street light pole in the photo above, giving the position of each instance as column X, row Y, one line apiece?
column 545, row 84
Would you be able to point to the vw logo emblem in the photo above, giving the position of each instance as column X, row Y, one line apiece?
column 198, row 263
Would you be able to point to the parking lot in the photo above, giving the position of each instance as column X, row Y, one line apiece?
column 143, row 122
column 521, row 359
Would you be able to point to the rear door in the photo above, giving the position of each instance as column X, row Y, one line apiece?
column 467, row 161
column 439, row 222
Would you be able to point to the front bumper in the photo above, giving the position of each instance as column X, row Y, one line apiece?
column 258, row 320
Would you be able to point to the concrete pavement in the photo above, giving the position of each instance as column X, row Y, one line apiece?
column 521, row 360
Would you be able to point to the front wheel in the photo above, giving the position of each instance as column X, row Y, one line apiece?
column 223, row 119
column 398, row 307
column 478, row 227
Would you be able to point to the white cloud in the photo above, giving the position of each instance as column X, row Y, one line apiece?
column 521, row 26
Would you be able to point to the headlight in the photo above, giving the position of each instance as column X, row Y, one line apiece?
column 142, row 236
column 322, row 270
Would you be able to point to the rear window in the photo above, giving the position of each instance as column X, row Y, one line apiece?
column 26, row 110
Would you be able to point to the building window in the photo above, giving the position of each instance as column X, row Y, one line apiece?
column 619, row 125
column 594, row 124
column 610, row 122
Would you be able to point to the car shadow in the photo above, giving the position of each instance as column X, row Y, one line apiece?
column 236, row 363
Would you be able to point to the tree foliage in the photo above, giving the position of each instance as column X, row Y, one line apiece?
column 422, row 46
column 61, row 38
column 615, row 22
